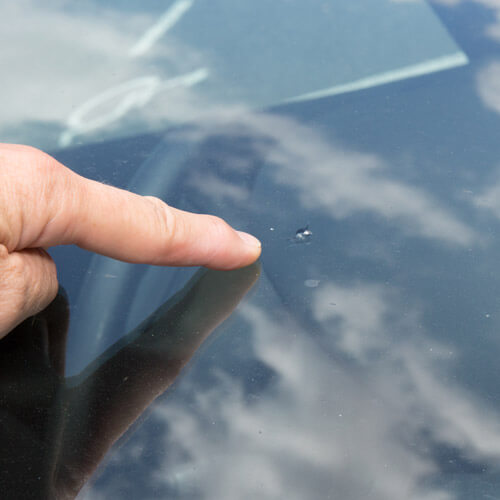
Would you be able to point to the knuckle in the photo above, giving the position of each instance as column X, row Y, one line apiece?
column 26, row 158
column 30, row 282
column 34, row 188
column 29, row 163
column 42, row 290
column 13, row 290
column 218, row 227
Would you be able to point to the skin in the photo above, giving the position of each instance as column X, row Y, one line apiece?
column 43, row 204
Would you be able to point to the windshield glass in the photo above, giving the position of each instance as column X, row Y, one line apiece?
column 359, row 359
column 91, row 71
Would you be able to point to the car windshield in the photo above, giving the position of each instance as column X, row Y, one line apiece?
column 96, row 70
column 359, row 359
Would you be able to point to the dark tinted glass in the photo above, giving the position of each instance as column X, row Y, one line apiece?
column 364, row 361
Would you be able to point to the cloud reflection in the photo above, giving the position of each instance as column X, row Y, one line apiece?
column 488, row 85
column 67, row 56
column 492, row 30
column 123, row 60
column 368, row 427
column 341, row 183
column 490, row 198
column 488, row 88
column 329, row 177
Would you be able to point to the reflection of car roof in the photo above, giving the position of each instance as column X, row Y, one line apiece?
column 166, row 64
column 364, row 364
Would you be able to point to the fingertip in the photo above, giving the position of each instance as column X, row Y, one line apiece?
column 249, row 239
column 236, row 255
column 253, row 247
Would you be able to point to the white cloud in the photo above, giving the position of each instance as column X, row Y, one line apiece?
column 488, row 85
column 493, row 30
column 353, row 429
column 341, row 183
column 357, row 334
column 490, row 199
column 67, row 56
column 318, row 430
column 335, row 180
column 218, row 189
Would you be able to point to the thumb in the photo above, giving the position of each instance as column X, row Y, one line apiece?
column 28, row 284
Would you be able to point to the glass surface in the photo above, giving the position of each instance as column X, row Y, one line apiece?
column 95, row 70
column 363, row 363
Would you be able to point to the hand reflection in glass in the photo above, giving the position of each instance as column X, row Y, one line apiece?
column 54, row 431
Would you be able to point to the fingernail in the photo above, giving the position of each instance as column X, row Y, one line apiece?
column 249, row 239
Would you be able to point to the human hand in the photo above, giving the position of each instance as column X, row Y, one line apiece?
column 43, row 203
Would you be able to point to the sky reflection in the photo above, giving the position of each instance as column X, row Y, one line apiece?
column 363, row 366
column 87, row 73
column 326, row 176
column 370, row 427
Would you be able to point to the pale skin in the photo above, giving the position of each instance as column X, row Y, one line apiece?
column 43, row 204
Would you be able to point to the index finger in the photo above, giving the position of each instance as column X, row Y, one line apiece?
column 72, row 209
column 145, row 229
